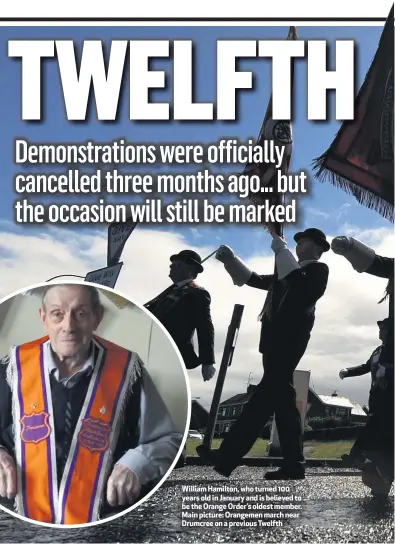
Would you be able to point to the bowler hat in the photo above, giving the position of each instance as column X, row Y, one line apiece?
column 316, row 235
column 383, row 322
column 190, row 257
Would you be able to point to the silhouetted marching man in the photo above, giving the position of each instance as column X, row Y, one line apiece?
column 184, row 308
column 378, row 384
column 287, row 320
column 378, row 466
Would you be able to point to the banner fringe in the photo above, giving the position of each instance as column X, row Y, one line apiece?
column 363, row 196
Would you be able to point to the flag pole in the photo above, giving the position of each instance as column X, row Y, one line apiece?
column 211, row 254
column 227, row 356
column 279, row 227
column 279, row 230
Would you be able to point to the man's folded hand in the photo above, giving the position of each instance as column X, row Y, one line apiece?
column 278, row 244
column 123, row 487
column 224, row 254
column 208, row 371
column 8, row 485
column 340, row 245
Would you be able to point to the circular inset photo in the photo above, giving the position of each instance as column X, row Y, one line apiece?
column 94, row 404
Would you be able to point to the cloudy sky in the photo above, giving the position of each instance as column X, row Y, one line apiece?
column 344, row 335
column 345, row 332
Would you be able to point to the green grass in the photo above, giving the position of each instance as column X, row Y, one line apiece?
column 327, row 450
column 258, row 449
column 316, row 450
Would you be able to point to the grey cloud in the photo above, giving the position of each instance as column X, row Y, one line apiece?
column 345, row 333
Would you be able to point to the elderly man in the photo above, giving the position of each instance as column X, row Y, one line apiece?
column 184, row 308
column 287, row 320
column 81, row 421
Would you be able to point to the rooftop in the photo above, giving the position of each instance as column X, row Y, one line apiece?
column 236, row 399
column 330, row 400
column 358, row 410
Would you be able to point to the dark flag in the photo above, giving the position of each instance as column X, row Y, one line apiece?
column 280, row 132
column 360, row 160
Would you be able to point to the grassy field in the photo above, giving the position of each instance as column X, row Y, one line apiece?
column 258, row 450
column 316, row 450
column 328, row 450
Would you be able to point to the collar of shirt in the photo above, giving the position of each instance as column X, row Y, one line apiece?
column 304, row 263
column 183, row 282
column 69, row 381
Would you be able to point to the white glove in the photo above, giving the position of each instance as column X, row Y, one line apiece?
column 208, row 372
column 278, row 244
column 285, row 261
column 341, row 244
column 343, row 374
column 238, row 271
column 225, row 254
column 358, row 254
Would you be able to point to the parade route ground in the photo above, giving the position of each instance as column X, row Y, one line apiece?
column 313, row 448
column 335, row 507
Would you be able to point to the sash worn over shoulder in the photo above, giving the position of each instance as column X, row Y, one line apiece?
column 162, row 306
column 77, row 498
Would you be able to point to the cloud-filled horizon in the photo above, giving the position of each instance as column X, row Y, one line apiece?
column 345, row 332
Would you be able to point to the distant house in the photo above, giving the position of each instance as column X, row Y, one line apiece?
column 199, row 416
column 334, row 406
column 318, row 406
column 228, row 412
column 359, row 413
column 230, row 409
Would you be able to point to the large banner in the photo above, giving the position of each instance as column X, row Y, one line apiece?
column 360, row 160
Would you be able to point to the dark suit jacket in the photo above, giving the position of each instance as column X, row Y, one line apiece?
column 191, row 312
column 293, row 303
column 371, row 366
column 383, row 267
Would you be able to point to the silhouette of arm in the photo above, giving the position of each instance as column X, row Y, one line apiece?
column 261, row 282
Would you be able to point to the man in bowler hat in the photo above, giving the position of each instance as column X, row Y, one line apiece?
column 379, row 382
column 378, row 467
column 184, row 308
column 372, row 366
column 287, row 320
